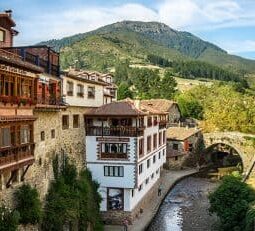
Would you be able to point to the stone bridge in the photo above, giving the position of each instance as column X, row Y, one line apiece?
column 243, row 144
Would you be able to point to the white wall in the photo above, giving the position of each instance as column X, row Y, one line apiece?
column 84, row 101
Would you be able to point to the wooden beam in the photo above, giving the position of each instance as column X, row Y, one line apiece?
column 24, row 173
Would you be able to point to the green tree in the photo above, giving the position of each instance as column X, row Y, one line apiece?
column 9, row 219
column 230, row 202
column 168, row 86
column 72, row 201
column 28, row 205
column 124, row 91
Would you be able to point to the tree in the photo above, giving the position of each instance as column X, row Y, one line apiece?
column 72, row 201
column 230, row 202
column 28, row 205
column 124, row 91
column 9, row 219
column 168, row 86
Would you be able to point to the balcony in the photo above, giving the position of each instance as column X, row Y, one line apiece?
column 113, row 155
column 49, row 100
column 162, row 124
column 41, row 56
column 14, row 156
column 114, row 131
column 17, row 100
column 172, row 153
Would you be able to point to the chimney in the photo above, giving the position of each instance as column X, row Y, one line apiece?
column 8, row 12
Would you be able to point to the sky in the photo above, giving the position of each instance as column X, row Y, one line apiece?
column 229, row 24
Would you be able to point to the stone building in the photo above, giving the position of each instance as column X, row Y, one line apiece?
column 168, row 106
column 181, row 141
column 125, row 148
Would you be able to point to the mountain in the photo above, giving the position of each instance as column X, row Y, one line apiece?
column 135, row 40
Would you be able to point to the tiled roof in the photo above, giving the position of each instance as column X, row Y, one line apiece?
column 125, row 107
column 159, row 104
column 180, row 133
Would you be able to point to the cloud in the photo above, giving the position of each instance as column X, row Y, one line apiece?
column 191, row 15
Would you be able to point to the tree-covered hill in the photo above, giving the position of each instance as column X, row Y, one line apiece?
column 136, row 40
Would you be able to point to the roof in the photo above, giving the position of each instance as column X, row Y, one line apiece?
column 180, row 133
column 118, row 108
column 159, row 104
column 83, row 76
column 125, row 107
column 11, row 58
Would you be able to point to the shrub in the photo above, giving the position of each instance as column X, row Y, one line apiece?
column 28, row 205
column 231, row 201
column 9, row 219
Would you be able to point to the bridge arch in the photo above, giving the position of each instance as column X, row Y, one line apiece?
column 243, row 144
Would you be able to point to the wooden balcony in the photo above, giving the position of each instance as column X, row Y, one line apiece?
column 113, row 155
column 17, row 100
column 162, row 124
column 114, row 131
column 172, row 153
column 11, row 157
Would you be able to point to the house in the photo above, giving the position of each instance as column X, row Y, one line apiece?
column 181, row 141
column 17, row 100
column 169, row 106
column 125, row 148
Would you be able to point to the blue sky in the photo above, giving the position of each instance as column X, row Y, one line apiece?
column 227, row 23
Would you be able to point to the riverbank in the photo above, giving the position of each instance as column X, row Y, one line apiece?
column 168, row 180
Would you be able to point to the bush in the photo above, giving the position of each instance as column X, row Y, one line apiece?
column 231, row 201
column 28, row 205
column 9, row 219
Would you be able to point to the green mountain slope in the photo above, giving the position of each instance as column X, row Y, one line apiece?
column 135, row 40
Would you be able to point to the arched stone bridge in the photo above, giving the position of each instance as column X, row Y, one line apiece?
column 243, row 143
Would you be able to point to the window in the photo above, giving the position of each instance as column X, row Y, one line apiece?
column 132, row 192
column 175, row 146
column 164, row 152
column 152, row 175
column 154, row 159
column 159, row 155
column 53, row 133
column 155, row 139
column 91, row 92
column 113, row 148
column 115, row 199
column 190, row 147
column 149, row 122
column 148, row 163
column 141, row 147
column 164, row 137
column 69, row 88
column 176, row 158
column 24, row 135
column 2, row 36
column 160, row 139
column 42, row 136
column 76, row 121
column 114, row 171
column 157, row 171
column 80, row 90
column 140, row 187
column 5, row 137
column 65, row 122
column 148, row 143
column 140, row 168
column 155, row 121
column 147, row 181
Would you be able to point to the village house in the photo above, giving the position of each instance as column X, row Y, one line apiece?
column 181, row 141
column 125, row 148
column 18, row 81
column 168, row 106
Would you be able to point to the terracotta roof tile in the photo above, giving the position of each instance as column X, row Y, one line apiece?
column 180, row 133
column 159, row 104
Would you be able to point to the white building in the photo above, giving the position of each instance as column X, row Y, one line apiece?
column 125, row 148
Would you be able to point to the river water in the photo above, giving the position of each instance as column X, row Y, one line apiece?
column 185, row 208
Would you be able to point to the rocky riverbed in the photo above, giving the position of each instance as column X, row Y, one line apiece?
column 185, row 208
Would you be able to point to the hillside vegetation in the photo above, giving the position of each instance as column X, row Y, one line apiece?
column 101, row 48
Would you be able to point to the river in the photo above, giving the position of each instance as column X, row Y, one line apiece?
column 185, row 208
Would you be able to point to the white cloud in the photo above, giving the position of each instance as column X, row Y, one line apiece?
column 190, row 15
